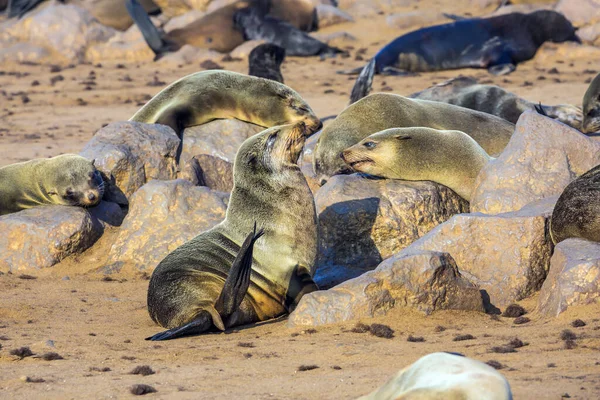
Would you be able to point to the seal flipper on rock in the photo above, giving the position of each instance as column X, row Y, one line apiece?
column 540, row 109
column 363, row 83
column 234, row 290
column 152, row 35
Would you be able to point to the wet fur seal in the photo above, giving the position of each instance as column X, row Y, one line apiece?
column 451, row 158
column 491, row 99
column 208, row 95
column 232, row 274
column 67, row 179
column 497, row 43
column 264, row 61
column 445, row 376
column 577, row 210
column 591, row 107
column 381, row 111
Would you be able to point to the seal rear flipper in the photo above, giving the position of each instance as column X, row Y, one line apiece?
column 151, row 34
column 238, row 279
column 540, row 109
column 362, row 87
column 202, row 323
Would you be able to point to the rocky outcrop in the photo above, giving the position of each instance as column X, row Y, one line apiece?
column 129, row 154
column 423, row 280
column 541, row 159
column 574, row 277
column 364, row 221
column 40, row 237
column 162, row 216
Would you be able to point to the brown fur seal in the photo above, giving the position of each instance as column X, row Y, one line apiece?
column 591, row 107
column 67, row 179
column 577, row 211
column 208, row 95
column 451, row 158
column 264, row 61
column 222, row 277
column 447, row 376
column 382, row 111
column 466, row 92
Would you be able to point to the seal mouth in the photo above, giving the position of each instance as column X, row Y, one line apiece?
column 355, row 165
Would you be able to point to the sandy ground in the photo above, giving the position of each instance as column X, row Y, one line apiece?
column 97, row 325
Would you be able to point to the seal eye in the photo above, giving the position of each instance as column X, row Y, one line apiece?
column 370, row 145
column 69, row 193
column 271, row 141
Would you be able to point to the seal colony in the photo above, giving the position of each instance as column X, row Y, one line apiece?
column 68, row 179
column 207, row 283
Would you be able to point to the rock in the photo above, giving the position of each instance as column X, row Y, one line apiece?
column 542, row 157
column 574, row 277
column 486, row 3
column 580, row 12
column 128, row 46
column 173, row 8
column 507, row 255
column 41, row 237
column 162, row 216
column 413, row 19
column 364, row 221
column 129, row 154
column 182, row 20
column 590, row 34
column 24, row 52
column 189, row 54
column 523, row 8
column 212, row 172
column 243, row 50
column 426, row 281
column 328, row 15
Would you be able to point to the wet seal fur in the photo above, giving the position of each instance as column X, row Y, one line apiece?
column 67, row 179
column 206, row 283
column 591, row 107
column 451, row 158
column 491, row 99
column 497, row 43
column 577, row 211
column 445, row 376
column 381, row 111
column 264, row 61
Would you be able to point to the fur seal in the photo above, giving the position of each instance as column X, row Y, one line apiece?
column 577, row 211
column 591, row 107
column 264, row 61
column 451, row 158
column 381, row 111
column 67, row 179
column 208, row 95
column 497, row 43
column 222, row 278
column 445, row 376
column 491, row 99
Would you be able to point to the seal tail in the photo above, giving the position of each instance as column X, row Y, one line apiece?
column 151, row 34
column 363, row 84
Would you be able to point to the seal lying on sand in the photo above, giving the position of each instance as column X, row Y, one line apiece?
column 381, row 111
column 222, row 277
column 264, row 61
column 451, row 158
column 496, row 43
column 466, row 92
column 577, row 211
column 447, row 376
column 67, row 179
column 591, row 107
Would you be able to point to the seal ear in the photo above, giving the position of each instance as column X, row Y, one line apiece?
column 402, row 137
column 94, row 162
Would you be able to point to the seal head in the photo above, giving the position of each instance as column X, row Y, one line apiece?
column 591, row 107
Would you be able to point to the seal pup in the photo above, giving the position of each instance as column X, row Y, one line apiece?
column 497, row 43
column 491, row 99
column 207, row 283
column 451, row 158
column 591, row 107
column 264, row 61
column 68, row 179
column 381, row 111
column 577, row 210
column 208, row 95
column 444, row 376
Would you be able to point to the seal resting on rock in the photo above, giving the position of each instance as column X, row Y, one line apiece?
column 451, row 158
column 447, row 376
column 577, row 211
column 68, row 179
column 232, row 274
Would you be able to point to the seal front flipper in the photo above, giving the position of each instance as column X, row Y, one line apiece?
column 301, row 283
column 502, row 69
column 238, row 279
column 151, row 34
column 540, row 109
column 201, row 323
column 363, row 83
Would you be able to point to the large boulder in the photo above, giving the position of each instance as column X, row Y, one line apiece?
column 129, row 154
column 574, row 277
column 590, row 34
column 364, row 221
column 369, row 8
column 172, row 8
column 423, row 280
column 580, row 12
column 506, row 255
column 41, row 237
column 128, row 46
column 162, row 216
column 542, row 157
